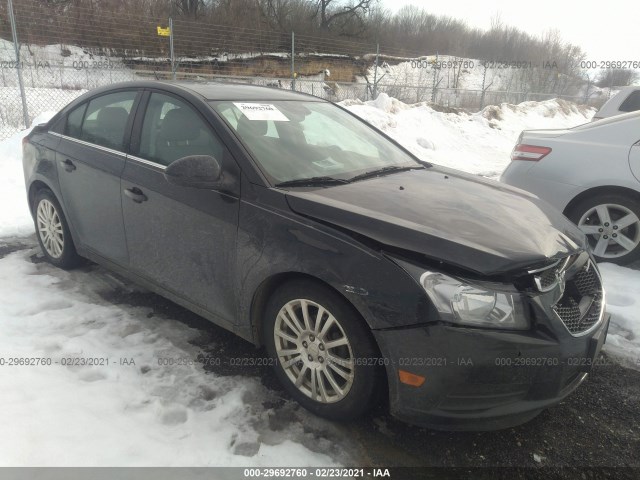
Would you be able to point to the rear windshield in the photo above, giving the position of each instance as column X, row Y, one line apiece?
column 632, row 102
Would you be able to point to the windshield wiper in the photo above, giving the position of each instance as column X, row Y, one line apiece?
column 384, row 171
column 312, row 182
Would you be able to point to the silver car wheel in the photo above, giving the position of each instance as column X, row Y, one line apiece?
column 314, row 351
column 50, row 228
column 612, row 230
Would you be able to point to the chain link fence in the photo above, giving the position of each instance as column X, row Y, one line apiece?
column 55, row 69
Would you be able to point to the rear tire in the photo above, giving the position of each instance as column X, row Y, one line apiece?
column 323, row 353
column 612, row 225
column 52, row 231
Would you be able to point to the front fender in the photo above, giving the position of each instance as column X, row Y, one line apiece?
column 274, row 242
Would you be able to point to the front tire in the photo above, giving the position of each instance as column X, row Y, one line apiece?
column 323, row 353
column 612, row 225
column 52, row 231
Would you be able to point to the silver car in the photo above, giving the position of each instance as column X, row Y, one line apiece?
column 592, row 174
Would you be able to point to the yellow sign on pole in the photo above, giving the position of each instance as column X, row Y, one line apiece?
column 164, row 32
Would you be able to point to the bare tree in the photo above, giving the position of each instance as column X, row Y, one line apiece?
column 277, row 13
column 617, row 78
column 190, row 8
column 332, row 10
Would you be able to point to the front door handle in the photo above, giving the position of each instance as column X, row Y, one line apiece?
column 135, row 194
column 68, row 165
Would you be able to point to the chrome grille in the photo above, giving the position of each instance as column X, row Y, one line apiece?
column 587, row 281
column 547, row 279
column 580, row 306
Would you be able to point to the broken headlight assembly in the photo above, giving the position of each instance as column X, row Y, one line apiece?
column 476, row 304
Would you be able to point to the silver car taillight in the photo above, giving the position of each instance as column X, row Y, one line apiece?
column 531, row 153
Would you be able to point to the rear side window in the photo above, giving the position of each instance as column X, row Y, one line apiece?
column 74, row 121
column 106, row 119
column 632, row 103
column 172, row 129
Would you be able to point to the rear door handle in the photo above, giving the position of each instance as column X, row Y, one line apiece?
column 135, row 194
column 68, row 165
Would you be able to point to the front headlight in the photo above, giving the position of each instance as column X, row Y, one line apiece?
column 477, row 305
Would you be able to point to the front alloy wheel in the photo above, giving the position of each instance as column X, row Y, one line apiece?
column 314, row 351
column 323, row 352
column 52, row 231
column 50, row 228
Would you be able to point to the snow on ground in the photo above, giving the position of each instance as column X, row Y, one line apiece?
column 159, row 415
column 477, row 143
column 623, row 303
column 468, row 73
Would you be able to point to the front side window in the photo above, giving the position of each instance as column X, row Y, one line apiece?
column 172, row 129
column 294, row 140
column 106, row 119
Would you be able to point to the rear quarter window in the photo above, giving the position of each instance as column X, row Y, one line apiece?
column 74, row 121
column 106, row 119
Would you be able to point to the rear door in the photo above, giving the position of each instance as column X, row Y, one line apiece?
column 90, row 159
column 181, row 238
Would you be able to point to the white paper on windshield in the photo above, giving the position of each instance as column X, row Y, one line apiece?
column 328, row 164
column 261, row 111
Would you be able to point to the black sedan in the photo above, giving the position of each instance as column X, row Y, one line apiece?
column 298, row 226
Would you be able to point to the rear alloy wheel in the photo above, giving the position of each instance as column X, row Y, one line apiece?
column 319, row 347
column 53, row 232
column 612, row 226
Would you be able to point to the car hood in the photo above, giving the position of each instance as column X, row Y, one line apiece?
column 463, row 220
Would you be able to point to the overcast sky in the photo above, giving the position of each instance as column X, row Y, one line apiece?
column 605, row 30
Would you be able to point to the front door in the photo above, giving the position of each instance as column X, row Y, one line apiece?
column 182, row 238
column 90, row 158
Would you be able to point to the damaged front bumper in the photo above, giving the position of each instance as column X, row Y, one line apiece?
column 477, row 379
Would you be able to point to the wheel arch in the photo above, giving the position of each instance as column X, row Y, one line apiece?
column 34, row 188
column 602, row 190
column 267, row 288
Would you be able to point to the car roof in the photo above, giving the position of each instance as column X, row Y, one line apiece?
column 217, row 90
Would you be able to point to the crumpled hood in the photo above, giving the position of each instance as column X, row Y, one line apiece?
column 463, row 220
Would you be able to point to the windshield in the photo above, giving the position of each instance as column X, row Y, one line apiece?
column 293, row 140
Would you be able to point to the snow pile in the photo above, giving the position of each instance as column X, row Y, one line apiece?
column 623, row 303
column 65, row 67
column 15, row 218
column 454, row 72
column 133, row 411
column 478, row 143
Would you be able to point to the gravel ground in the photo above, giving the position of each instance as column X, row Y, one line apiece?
column 594, row 433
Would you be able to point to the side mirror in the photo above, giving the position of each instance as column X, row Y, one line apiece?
column 197, row 171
